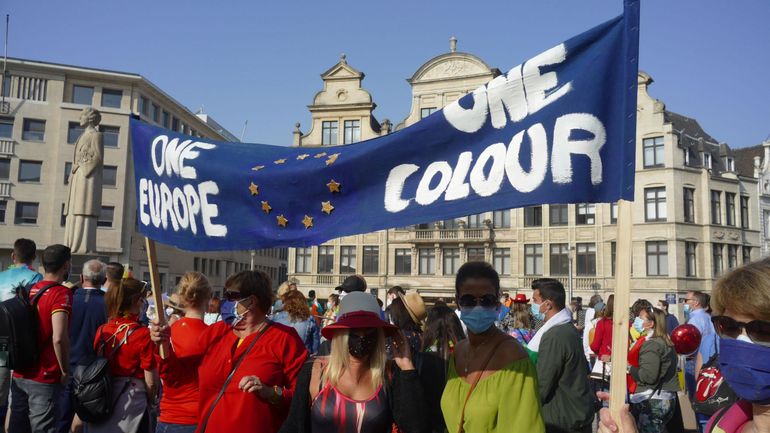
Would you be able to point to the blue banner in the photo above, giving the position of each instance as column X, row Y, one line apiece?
column 558, row 128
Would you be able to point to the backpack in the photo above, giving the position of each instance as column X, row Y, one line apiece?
column 19, row 321
column 92, row 392
column 712, row 392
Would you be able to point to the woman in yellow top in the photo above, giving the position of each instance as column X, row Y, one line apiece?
column 491, row 384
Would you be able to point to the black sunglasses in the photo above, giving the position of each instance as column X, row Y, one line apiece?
column 486, row 301
column 233, row 295
column 757, row 330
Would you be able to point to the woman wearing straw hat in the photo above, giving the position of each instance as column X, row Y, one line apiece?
column 355, row 389
column 407, row 312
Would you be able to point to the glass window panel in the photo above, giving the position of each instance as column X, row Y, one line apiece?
column 110, row 175
column 82, row 95
column 29, row 171
column 34, row 130
column 110, row 135
column 26, row 213
column 111, row 98
column 5, row 169
column 106, row 216
column 6, row 127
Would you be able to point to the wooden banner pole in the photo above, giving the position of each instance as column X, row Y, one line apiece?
column 157, row 296
column 620, row 318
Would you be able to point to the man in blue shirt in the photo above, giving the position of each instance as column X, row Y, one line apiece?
column 696, row 303
column 20, row 274
column 671, row 320
column 88, row 314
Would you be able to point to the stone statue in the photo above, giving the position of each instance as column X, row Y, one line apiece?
column 84, row 201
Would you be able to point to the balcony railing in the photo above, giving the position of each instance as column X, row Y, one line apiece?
column 5, row 189
column 6, row 147
column 579, row 283
column 450, row 234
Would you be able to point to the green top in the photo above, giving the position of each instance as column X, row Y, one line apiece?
column 505, row 401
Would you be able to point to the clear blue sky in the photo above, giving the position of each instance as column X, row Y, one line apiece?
column 260, row 60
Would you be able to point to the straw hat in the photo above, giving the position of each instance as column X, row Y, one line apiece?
column 415, row 306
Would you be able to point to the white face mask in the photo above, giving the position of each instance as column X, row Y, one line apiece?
column 236, row 316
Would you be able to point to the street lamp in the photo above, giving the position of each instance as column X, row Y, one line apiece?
column 570, row 256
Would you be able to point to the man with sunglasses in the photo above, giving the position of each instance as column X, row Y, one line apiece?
column 695, row 303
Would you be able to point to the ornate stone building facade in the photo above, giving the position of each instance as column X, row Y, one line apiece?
column 694, row 215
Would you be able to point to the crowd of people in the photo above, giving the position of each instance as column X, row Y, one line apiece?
column 263, row 361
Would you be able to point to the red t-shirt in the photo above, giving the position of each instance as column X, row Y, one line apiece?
column 276, row 359
column 132, row 358
column 55, row 300
column 179, row 404
column 602, row 344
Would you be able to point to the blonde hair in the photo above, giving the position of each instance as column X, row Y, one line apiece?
column 659, row 330
column 194, row 289
column 285, row 287
column 339, row 359
column 521, row 319
column 744, row 290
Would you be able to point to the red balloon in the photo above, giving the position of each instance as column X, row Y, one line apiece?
column 686, row 339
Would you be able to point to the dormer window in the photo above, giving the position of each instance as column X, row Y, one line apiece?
column 730, row 162
column 706, row 160
column 686, row 157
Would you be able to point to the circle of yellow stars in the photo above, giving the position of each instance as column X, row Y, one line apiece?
column 326, row 206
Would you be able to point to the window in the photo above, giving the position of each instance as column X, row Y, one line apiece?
column 475, row 254
column 744, row 211
column 73, row 132
column 451, row 260
column 501, row 219
column 6, row 85
column 144, row 105
column 706, row 160
column 586, row 259
column 614, row 213
column 686, row 153
column 403, row 261
column 26, row 213
column 174, row 123
column 29, row 171
column 732, row 256
column 325, row 259
column 655, row 204
column 3, row 209
column 82, row 95
column 653, row 152
column 691, row 269
column 6, row 127
column 5, row 169
column 110, row 134
column 352, row 131
column 106, row 216
column 716, row 207
column 67, row 172
column 730, row 162
column 613, row 257
column 716, row 254
column 302, row 262
column 689, row 205
column 730, row 209
column 155, row 113
column 451, row 224
column 558, row 214
column 533, row 216
column 110, row 175
column 657, row 258
column 427, row 261
column 559, row 259
column 585, row 213
column 34, row 130
column 476, row 221
column 347, row 260
column 427, row 111
column 533, row 259
column 746, row 251
column 166, row 119
column 111, row 98
column 329, row 130
column 371, row 260
column 501, row 260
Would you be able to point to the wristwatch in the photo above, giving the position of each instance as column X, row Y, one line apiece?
column 276, row 398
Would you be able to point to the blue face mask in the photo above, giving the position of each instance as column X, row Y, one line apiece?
column 639, row 325
column 745, row 368
column 226, row 310
column 535, row 310
column 478, row 319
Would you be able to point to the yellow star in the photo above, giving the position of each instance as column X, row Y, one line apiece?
column 326, row 207
column 334, row 186
column 280, row 161
column 303, row 156
column 320, row 155
column 254, row 189
column 266, row 207
column 307, row 221
column 332, row 159
column 282, row 221
column 258, row 167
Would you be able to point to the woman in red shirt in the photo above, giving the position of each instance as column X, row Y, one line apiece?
column 247, row 369
column 602, row 342
column 179, row 404
column 127, row 345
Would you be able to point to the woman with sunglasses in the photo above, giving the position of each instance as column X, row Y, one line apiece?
column 492, row 384
column 130, row 353
column 246, row 370
column 741, row 304
column 356, row 389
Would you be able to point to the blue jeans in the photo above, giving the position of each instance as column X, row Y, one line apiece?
column 66, row 412
column 33, row 406
column 175, row 428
